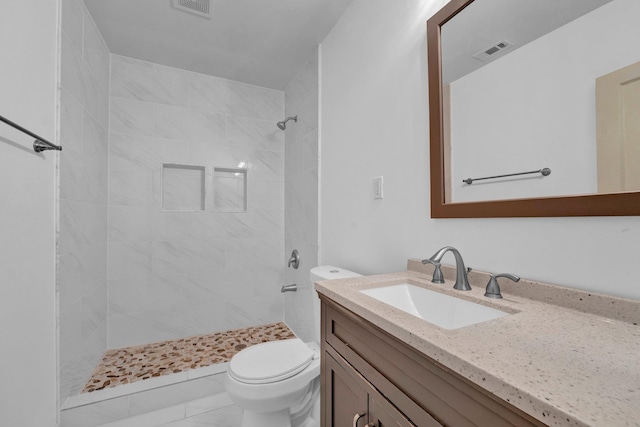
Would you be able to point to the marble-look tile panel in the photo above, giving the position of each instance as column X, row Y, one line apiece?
column 94, row 309
column 144, row 81
column 294, row 160
column 268, row 164
column 265, row 194
column 256, row 134
column 136, row 153
column 310, row 151
column 127, row 259
column 130, row 187
column 71, row 121
column 72, row 22
column 146, row 293
column 75, row 372
column 82, row 225
column 307, row 119
column 129, row 224
column 82, row 178
column 131, row 117
column 80, row 271
column 303, row 85
column 219, row 95
column 187, row 124
column 269, row 104
column 182, row 256
column 250, row 311
column 126, row 365
column 95, row 139
column 241, row 253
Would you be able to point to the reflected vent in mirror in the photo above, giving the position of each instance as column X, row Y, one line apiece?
column 197, row 7
column 493, row 51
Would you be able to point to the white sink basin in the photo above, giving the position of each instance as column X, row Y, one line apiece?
column 442, row 310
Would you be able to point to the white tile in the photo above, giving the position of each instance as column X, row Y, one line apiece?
column 82, row 178
column 136, row 153
column 268, row 164
column 181, row 256
column 207, row 404
column 265, row 194
column 82, row 224
column 294, row 160
column 95, row 139
column 189, row 124
column 151, row 419
column 254, row 311
column 72, row 21
column 80, row 271
column 95, row 414
column 269, row 104
column 70, row 121
column 209, row 94
column 257, row 134
column 229, row 416
column 129, row 223
column 310, row 156
column 145, row 81
column 303, row 85
column 130, row 187
column 128, row 259
column 131, row 117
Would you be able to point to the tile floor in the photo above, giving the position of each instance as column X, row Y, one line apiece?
column 130, row 364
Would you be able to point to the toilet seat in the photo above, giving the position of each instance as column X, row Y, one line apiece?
column 270, row 362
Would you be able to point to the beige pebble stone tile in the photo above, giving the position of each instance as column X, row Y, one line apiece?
column 131, row 364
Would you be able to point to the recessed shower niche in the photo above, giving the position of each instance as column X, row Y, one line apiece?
column 229, row 189
column 183, row 187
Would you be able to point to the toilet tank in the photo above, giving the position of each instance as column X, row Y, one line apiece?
column 325, row 272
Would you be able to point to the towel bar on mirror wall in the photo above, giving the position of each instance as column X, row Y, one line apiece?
column 544, row 172
column 40, row 144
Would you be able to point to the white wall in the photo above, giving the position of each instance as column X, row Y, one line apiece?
column 374, row 121
column 552, row 82
column 28, row 75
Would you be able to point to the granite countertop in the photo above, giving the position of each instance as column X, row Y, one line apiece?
column 566, row 357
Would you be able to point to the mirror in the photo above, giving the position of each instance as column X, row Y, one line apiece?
column 516, row 86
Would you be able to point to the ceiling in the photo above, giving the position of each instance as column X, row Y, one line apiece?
column 487, row 22
column 262, row 42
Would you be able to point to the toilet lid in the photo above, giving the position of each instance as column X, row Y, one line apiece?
column 270, row 362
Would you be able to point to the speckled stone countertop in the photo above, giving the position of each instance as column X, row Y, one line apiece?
column 564, row 356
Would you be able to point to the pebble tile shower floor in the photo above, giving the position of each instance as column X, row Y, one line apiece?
column 130, row 364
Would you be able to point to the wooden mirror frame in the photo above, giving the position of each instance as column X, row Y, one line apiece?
column 611, row 204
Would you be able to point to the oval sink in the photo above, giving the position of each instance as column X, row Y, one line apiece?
column 442, row 310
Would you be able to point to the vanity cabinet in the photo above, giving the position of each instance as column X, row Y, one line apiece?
column 367, row 371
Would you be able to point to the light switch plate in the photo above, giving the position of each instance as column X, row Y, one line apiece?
column 378, row 190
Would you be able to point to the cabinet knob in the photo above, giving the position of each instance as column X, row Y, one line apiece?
column 357, row 417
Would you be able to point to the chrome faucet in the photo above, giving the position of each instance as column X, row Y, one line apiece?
column 462, row 281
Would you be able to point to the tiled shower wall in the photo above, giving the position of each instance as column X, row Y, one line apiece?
column 301, row 195
column 82, row 266
column 174, row 274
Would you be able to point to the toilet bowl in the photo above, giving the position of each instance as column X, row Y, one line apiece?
column 277, row 384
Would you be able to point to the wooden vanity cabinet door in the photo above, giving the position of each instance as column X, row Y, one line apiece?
column 344, row 394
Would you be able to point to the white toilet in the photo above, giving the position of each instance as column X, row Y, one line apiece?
column 277, row 384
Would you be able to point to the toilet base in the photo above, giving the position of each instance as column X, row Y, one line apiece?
column 309, row 418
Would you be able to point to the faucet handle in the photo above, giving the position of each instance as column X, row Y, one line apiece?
column 493, row 289
column 438, row 277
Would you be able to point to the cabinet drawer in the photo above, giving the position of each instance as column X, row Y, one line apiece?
column 418, row 386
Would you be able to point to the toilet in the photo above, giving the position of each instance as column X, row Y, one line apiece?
column 277, row 384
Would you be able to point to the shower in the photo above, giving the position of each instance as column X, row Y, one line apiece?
column 283, row 124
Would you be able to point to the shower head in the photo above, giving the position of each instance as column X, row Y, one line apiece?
column 283, row 124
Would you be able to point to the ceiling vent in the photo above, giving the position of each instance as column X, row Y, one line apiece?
column 197, row 7
column 493, row 51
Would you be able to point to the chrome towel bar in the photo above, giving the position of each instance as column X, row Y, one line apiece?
column 544, row 172
column 40, row 144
